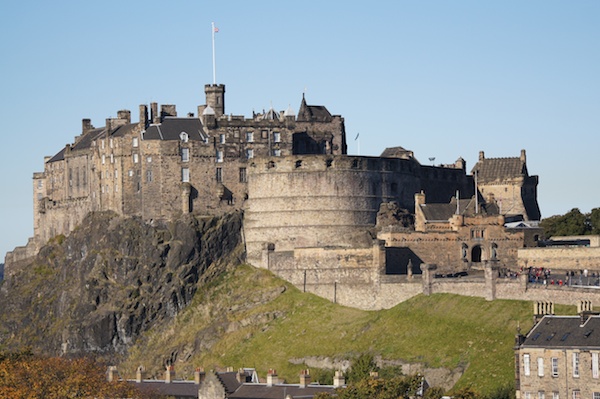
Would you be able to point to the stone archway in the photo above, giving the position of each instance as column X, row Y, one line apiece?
column 476, row 254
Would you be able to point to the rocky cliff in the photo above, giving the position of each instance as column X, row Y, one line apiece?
column 111, row 279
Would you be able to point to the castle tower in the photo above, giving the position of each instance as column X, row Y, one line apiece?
column 215, row 98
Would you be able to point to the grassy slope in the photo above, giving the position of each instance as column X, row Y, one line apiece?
column 251, row 319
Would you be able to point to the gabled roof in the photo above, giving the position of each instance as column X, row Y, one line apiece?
column 491, row 169
column 564, row 332
column 172, row 127
column 313, row 113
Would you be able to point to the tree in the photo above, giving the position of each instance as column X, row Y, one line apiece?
column 361, row 368
column 573, row 223
column 595, row 221
column 24, row 376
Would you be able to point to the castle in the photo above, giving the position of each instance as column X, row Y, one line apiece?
column 349, row 228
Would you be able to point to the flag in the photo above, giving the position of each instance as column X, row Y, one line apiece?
column 216, row 29
column 356, row 138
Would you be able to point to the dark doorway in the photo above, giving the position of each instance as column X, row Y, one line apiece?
column 476, row 254
column 398, row 259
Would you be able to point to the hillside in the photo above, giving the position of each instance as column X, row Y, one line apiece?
column 154, row 294
column 251, row 319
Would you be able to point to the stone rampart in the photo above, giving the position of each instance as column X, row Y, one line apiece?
column 561, row 258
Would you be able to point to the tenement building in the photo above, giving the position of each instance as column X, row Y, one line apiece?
column 559, row 358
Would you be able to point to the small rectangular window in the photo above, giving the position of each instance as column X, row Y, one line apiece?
column 596, row 395
column 555, row 395
column 134, row 142
column 116, row 173
column 185, row 175
column 276, row 137
column 222, row 138
column 575, row 365
column 219, row 156
column 276, row 152
column 102, row 143
column 130, row 173
column 149, row 159
column 148, row 176
column 541, row 395
column 264, row 134
column 185, row 154
column 540, row 365
column 111, row 143
column 243, row 177
column 112, row 158
column 250, row 137
column 554, row 367
column 595, row 365
column 103, row 159
column 219, row 175
column 249, row 153
column 136, row 158
column 576, row 394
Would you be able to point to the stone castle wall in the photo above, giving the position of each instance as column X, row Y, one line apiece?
column 563, row 258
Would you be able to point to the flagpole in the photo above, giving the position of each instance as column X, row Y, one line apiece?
column 213, row 54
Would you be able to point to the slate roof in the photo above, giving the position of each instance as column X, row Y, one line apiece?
column 278, row 391
column 491, row 169
column 171, row 128
column 59, row 156
column 180, row 389
column 313, row 113
column 443, row 212
column 564, row 332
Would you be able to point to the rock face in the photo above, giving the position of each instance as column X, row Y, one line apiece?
column 111, row 279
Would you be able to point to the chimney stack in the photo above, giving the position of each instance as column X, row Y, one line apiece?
column 304, row 378
column 338, row 379
column 112, row 373
column 139, row 374
column 169, row 374
column 481, row 155
column 240, row 376
column 272, row 378
column 143, row 116
column 86, row 125
column 199, row 375
column 523, row 156
column 154, row 117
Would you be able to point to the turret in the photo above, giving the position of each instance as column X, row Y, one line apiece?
column 215, row 98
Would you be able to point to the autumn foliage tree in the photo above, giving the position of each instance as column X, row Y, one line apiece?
column 24, row 376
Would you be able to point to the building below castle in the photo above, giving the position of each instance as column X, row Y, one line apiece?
column 366, row 231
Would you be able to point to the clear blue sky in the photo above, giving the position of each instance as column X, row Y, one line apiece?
column 442, row 78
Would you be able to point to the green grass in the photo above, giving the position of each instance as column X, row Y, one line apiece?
column 249, row 318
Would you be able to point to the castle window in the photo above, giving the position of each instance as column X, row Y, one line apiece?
column 39, row 183
column 102, row 142
column 112, row 158
column 494, row 253
column 541, row 395
column 526, row 364
column 554, row 361
column 250, row 137
column 149, row 159
column 576, row 394
column 130, row 173
column 185, row 175
column 249, row 153
column 116, row 188
column 575, row 367
column 134, row 142
column 276, row 137
column 477, row 234
column 276, row 152
column 222, row 138
column 264, row 134
column 243, row 177
column 219, row 156
column 540, row 366
column 148, row 176
column 219, row 175
column 185, row 155
column 136, row 158
column 183, row 136
column 111, row 143
column 116, row 173
column 555, row 395
column 103, row 159
column 595, row 366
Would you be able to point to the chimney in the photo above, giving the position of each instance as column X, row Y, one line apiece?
column 541, row 308
column 86, row 125
column 304, row 378
column 124, row 115
column 167, row 110
column 481, row 155
column 272, row 378
column 419, row 199
column 139, row 374
column 169, row 374
column 108, row 126
column 338, row 379
column 523, row 156
column 112, row 374
column 154, row 117
column 143, row 116
column 199, row 375
column 240, row 376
